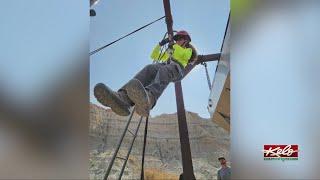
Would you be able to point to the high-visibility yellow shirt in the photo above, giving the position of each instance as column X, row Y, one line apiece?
column 180, row 54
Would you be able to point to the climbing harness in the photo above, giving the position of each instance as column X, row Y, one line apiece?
column 99, row 49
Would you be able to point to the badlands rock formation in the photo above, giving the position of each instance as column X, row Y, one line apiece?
column 208, row 141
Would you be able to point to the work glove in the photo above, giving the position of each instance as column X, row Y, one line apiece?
column 164, row 41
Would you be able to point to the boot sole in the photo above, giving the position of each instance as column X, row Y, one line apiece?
column 139, row 96
column 106, row 97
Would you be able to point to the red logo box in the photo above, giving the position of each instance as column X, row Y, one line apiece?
column 280, row 151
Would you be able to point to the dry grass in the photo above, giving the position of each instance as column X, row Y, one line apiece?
column 156, row 174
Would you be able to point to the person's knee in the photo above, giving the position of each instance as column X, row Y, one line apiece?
column 150, row 66
column 163, row 70
column 168, row 75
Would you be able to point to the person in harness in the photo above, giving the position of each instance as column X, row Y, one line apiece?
column 148, row 84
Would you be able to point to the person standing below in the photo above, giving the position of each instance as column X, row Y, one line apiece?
column 224, row 172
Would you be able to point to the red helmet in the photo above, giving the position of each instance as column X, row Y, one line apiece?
column 182, row 33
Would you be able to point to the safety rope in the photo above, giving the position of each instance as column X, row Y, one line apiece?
column 164, row 47
column 207, row 74
column 144, row 148
column 99, row 49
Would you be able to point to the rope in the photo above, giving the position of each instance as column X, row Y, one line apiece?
column 99, row 49
column 207, row 74
column 144, row 148
column 162, row 48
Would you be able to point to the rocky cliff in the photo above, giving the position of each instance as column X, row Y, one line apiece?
column 207, row 140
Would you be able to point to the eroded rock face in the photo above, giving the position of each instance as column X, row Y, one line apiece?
column 207, row 140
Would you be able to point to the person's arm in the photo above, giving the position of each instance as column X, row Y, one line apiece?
column 155, row 55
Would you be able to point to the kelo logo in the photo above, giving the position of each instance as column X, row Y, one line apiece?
column 280, row 152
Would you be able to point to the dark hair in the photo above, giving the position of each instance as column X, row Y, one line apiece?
column 221, row 158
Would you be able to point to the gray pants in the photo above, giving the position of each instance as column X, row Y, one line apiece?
column 156, row 77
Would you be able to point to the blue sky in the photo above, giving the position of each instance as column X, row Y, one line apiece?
column 205, row 20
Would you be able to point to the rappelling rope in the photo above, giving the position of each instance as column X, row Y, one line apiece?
column 164, row 47
column 207, row 75
column 99, row 49
column 144, row 148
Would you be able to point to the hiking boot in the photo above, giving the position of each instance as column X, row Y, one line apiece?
column 124, row 97
column 115, row 100
column 138, row 95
